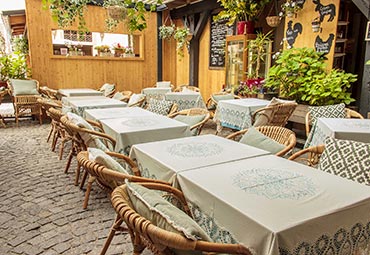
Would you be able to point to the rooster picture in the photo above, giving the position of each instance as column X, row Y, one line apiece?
column 292, row 32
column 324, row 46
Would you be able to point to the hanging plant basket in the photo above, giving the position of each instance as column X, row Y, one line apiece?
column 273, row 21
column 116, row 12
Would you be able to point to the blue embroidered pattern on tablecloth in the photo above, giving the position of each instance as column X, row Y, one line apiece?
column 195, row 150
column 274, row 183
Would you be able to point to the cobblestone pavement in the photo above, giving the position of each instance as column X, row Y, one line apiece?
column 40, row 208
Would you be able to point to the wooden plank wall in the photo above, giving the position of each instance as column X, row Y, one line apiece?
column 307, row 38
column 64, row 72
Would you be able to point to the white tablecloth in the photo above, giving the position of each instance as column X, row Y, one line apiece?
column 276, row 206
column 186, row 100
column 79, row 92
column 237, row 113
column 163, row 160
column 156, row 93
column 134, row 130
column 78, row 105
column 114, row 113
column 347, row 129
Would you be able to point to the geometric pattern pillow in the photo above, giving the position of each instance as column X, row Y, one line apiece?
column 327, row 111
column 161, row 107
column 348, row 159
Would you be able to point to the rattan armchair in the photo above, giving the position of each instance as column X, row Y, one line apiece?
column 212, row 101
column 279, row 134
column 194, row 112
column 138, row 103
column 57, row 131
column 349, row 114
column 106, row 178
column 309, row 156
column 276, row 115
column 188, row 87
column 108, row 89
column 144, row 234
column 79, row 144
column 3, row 93
column 48, row 92
column 25, row 104
column 123, row 96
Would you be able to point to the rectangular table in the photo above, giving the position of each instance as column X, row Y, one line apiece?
column 114, row 113
column 78, row 105
column 347, row 129
column 79, row 92
column 186, row 100
column 156, row 93
column 163, row 160
column 276, row 206
column 237, row 113
column 128, row 131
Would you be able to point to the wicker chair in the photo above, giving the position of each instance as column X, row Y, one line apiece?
column 58, row 130
column 279, row 134
column 123, row 96
column 48, row 92
column 3, row 93
column 25, row 105
column 349, row 114
column 108, row 89
column 194, row 112
column 276, row 115
column 144, row 234
column 188, row 87
column 310, row 156
column 46, row 104
column 138, row 103
column 78, row 143
column 212, row 101
column 106, row 178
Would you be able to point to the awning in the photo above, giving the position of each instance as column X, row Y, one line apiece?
column 363, row 6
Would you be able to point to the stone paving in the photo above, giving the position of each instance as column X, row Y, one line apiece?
column 40, row 208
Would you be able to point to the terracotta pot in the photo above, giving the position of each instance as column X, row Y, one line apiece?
column 245, row 27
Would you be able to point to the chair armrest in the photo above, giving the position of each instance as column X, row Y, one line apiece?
column 128, row 160
column 313, row 157
column 236, row 134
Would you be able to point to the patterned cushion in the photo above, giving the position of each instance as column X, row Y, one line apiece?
column 24, row 87
column 89, row 140
column 348, row 159
column 104, row 159
column 161, row 107
column 256, row 139
column 118, row 96
column 149, row 204
column 163, row 84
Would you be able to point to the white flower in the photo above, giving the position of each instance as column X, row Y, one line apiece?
column 288, row 47
column 293, row 4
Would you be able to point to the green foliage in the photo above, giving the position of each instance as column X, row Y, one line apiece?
column 20, row 44
column 166, row 32
column 180, row 36
column 258, row 50
column 301, row 75
column 13, row 67
column 238, row 10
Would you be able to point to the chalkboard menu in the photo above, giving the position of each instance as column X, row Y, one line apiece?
column 218, row 33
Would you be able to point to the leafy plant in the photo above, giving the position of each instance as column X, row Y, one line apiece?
column 13, row 67
column 180, row 36
column 258, row 51
column 290, row 7
column 102, row 48
column 20, row 44
column 238, row 10
column 166, row 32
column 301, row 75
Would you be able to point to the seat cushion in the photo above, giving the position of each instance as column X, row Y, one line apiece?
column 104, row 159
column 346, row 158
column 107, row 89
column 161, row 107
column 118, row 96
column 135, row 98
column 89, row 140
column 149, row 204
column 24, row 87
column 218, row 98
column 163, row 84
column 256, row 139
column 191, row 120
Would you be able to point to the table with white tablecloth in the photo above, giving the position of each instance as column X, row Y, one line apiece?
column 78, row 105
column 155, row 93
column 186, row 100
column 114, row 113
column 237, row 113
column 79, row 92
column 276, row 206
column 128, row 131
column 340, row 128
column 163, row 160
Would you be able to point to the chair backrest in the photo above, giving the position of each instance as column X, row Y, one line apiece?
column 123, row 96
column 196, row 125
column 110, row 178
column 46, row 103
column 19, row 87
column 163, row 84
column 273, row 115
column 279, row 134
column 108, row 89
column 159, row 240
column 48, row 92
column 184, row 88
column 310, row 156
column 136, row 100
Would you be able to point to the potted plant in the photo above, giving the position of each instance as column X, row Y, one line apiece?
column 181, row 36
column 119, row 49
column 301, row 75
column 250, row 88
column 166, row 32
column 242, row 11
column 129, row 52
column 290, row 8
column 103, row 50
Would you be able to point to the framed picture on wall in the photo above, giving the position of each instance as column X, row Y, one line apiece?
column 367, row 34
